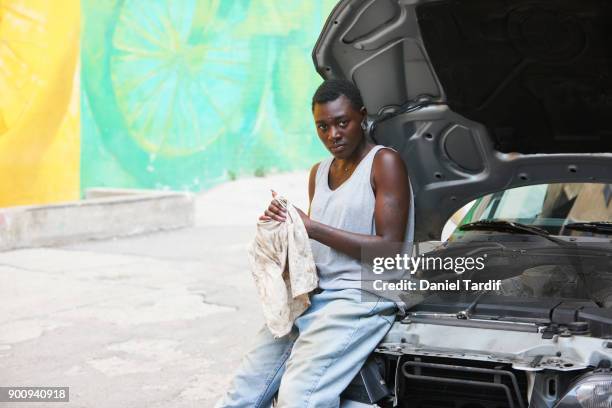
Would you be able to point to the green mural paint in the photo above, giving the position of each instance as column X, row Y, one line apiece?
column 185, row 94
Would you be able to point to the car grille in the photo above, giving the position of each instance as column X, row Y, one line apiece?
column 433, row 382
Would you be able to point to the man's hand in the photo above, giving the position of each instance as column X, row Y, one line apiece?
column 274, row 211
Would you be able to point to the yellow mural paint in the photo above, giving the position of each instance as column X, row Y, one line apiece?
column 39, row 101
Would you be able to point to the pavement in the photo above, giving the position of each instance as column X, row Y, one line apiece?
column 158, row 320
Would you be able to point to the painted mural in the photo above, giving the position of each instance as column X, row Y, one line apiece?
column 186, row 94
column 153, row 93
column 39, row 101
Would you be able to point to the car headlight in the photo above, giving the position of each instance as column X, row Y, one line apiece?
column 595, row 394
column 593, row 390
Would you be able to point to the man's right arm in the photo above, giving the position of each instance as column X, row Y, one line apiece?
column 311, row 184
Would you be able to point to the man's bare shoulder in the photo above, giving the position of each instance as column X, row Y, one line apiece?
column 388, row 160
column 387, row 155
column 312, row 180
column 314, row 168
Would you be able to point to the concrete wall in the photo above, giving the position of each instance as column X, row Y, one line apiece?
column 106, row 214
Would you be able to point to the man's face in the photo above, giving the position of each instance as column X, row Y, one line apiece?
column 339, row 126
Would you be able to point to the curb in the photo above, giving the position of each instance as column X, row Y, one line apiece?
column 104, row 213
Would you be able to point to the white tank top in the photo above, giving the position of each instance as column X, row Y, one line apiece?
column 349, row 207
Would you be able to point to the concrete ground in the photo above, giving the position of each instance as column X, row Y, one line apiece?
column 150, row 321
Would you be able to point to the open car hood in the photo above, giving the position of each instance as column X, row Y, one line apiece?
column 479, row 96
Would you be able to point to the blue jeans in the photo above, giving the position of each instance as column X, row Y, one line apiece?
column 315, row 362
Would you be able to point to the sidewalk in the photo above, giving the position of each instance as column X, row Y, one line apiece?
column 151, row 321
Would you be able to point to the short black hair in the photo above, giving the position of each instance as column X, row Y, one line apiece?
column 332, row 89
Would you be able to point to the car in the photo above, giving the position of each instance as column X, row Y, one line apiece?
column 506, row 105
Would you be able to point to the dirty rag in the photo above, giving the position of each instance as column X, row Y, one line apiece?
column 283, row 268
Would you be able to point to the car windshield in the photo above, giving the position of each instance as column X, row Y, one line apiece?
column 551, row 207
column 527, row 263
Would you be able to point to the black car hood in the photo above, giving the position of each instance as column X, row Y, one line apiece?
column 479, row 95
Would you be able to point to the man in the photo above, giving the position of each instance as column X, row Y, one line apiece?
column 358, row 197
